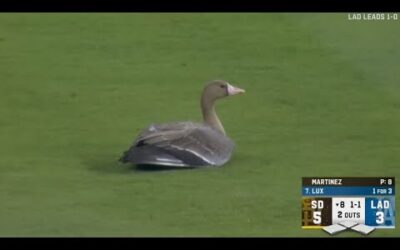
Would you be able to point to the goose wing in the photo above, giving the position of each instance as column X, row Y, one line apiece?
column 192, row 144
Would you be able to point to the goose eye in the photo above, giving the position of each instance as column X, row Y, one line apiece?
column 222, row 86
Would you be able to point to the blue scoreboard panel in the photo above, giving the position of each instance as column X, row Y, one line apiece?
column 331, row 200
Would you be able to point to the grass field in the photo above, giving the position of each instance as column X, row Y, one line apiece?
column 323, row 99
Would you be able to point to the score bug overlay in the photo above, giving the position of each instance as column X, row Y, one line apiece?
column 364, row 202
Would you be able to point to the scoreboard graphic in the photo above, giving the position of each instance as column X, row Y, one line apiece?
column 334, row 201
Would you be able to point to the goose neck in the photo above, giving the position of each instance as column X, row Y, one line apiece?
column 210, row 117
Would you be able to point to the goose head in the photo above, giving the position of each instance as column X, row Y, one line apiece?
column 218, row 89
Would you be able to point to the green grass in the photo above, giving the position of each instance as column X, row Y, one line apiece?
column 323, row 99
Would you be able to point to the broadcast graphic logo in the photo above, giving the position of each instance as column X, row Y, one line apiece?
column 336, row 204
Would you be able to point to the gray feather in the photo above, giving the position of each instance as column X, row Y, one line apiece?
column 180, row 144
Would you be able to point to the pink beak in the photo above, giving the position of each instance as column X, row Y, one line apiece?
column 232, row 90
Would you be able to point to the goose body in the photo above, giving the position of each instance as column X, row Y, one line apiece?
column 180, row 144
column 187, row 144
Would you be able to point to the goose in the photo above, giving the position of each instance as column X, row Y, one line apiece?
column 187, row 144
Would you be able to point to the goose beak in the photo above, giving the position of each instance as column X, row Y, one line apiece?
column 232, row 90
